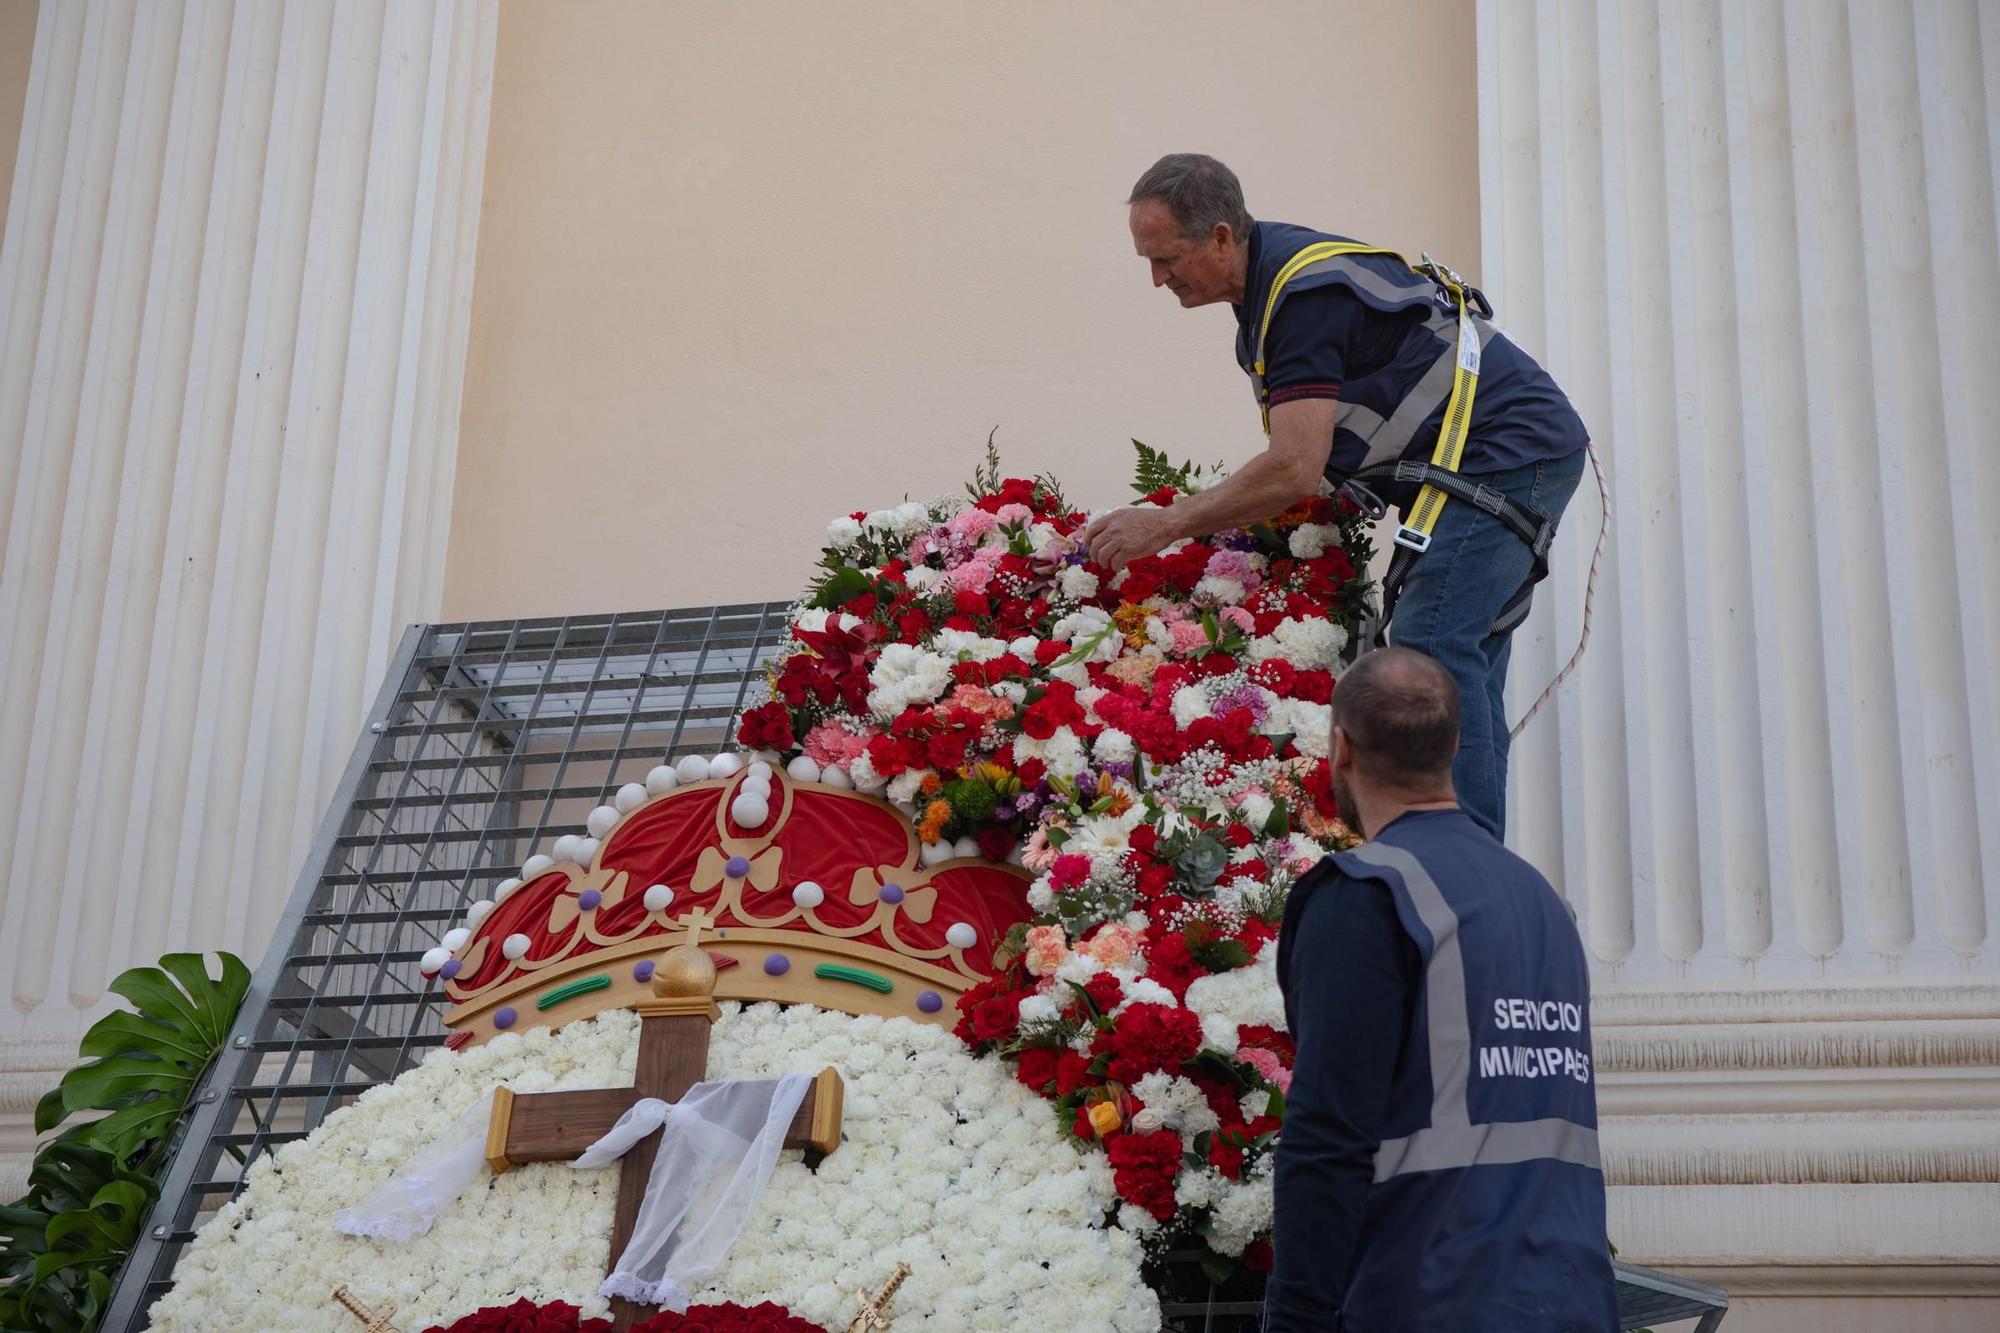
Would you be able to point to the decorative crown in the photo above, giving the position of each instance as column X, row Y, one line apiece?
column 824, row 902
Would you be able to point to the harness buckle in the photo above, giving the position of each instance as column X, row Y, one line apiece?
column 1412, row 539
column 1364, row 499
column 1488, row 499
column 1545, row 537
column 1414, row 471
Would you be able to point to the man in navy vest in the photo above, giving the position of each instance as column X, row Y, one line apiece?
column 1438, row 1165
column 1353, row 364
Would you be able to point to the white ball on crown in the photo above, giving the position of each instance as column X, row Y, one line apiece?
column 760, row 769
column 658, row 897
column 432, row 960
column 565, row 848
column 725, row 765
column 535, row 865
column 514, row 946
column 602, row 820
column 759, row 787
column 835, row 776
column 586, row 850
column 505, row 887
column 808, row 894
column 750, row 811
column 966, row 846
column 455, row 938
column 661, row 780
column 629, row 798
column 478, row 912
column 961, row 935
column 934, row 853
column 803, row 769
column 692, row 767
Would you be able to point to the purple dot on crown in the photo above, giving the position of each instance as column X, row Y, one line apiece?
column 930, row 1002
column 452, row 967
column 642, row 970
column 503, row 1019
column 892, row 893
column 776, row 965
column 735, row 867
column 589, row 899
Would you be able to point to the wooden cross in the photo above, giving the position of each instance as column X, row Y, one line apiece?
column 673, row 1057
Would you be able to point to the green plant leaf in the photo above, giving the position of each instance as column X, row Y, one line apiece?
column 143, row 1066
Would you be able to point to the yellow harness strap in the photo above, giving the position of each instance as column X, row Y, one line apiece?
column 1421, row 519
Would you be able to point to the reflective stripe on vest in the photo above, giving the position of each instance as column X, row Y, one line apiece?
column 1452, row 1141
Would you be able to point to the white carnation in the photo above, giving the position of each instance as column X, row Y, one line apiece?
column 1245, row 996
column 1113, row 746
column 1190, row 705
column 1078, row 584
column 1310, row 645
column 1310, row 540
column 842, row 533
column 1244, row 1211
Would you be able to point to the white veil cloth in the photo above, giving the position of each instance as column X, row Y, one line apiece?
column 718, row 1147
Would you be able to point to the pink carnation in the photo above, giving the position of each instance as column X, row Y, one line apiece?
column 1188, row 636
column 1240, row 618
column 1013, row 513
column 976, row 573
column 829, row 743
column 1047, row 948
column 1231, row 565
column 1268, row 1066
column 969, row 525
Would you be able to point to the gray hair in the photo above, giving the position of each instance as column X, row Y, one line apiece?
column 1199, row 191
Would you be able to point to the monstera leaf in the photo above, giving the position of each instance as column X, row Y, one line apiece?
column 143, row 1066
column 61, row 1244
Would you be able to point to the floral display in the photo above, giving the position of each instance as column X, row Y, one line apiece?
column 1153, row 745
column 948, row 1164
column 524, row 1316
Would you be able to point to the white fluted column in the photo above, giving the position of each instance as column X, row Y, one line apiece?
column 234, row 290
column 1756, row 241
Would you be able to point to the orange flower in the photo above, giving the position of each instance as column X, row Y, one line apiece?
column 1121, row 801
column 932, row 784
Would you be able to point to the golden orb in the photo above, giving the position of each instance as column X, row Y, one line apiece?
column 684, row 971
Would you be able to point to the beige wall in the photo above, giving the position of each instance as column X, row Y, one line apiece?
column 17, row 46
column 743, row 267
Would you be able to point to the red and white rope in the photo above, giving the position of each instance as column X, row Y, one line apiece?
column 1589, row 595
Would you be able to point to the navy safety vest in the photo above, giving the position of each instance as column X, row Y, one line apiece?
column 1487, row 1210
column 1382, row 412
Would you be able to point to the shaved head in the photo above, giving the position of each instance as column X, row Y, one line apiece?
column 1399, row 709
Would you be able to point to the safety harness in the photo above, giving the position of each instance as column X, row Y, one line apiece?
column 1439, row 478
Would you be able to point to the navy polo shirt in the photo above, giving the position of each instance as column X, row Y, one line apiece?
column 1322, row 336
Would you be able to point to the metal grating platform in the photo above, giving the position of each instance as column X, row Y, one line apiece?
column 486, row 741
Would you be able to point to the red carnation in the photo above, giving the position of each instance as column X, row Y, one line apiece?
column 1169, row 962
column 1105, row 991
column 1258, row 1256
column 1143, row 1167
column 1069, row 871
column 1072, row 1072
column 1225, row 1156
column 1144, row 839
column 1149, row 1037
column 1037, row 1068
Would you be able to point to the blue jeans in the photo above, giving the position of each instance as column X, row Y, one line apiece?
column 1449, row 602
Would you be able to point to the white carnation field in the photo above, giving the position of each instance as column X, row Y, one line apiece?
column 948, row 1164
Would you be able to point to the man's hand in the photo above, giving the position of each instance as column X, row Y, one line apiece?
column 1116, row 539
